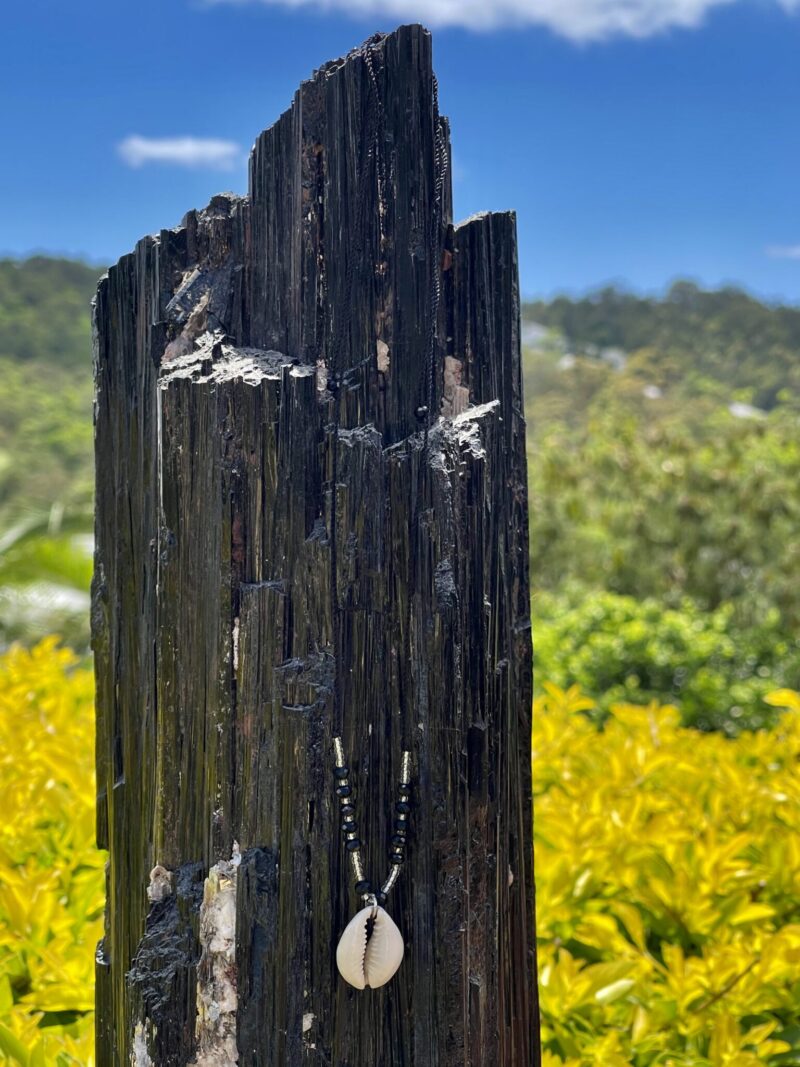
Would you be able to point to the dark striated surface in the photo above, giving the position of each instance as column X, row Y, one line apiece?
column 217, row 644
column 161, row 981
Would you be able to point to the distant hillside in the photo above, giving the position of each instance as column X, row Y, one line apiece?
column 664, row 453
column 693, row 339
column 44, row 310
column 45, row 386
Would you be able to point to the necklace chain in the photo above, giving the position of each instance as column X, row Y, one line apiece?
column 374, row 150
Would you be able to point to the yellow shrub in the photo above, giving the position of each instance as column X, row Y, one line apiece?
column 51, row 875
column 668, row 876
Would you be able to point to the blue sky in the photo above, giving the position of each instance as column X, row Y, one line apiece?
column 638, row 140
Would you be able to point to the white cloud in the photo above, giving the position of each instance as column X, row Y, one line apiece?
column 578, row 20
column 210, row 152
column 783, row 251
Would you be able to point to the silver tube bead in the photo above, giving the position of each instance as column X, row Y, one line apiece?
column 405, row 769
column 358, row 868
column 338, row 751
column 394, row 874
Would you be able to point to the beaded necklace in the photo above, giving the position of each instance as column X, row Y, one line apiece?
column 371, row 947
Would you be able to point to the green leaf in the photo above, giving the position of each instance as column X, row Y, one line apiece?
column 12, row 1047
column 608, row 994
column 36, row 1058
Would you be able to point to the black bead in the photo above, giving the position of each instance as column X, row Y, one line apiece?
column 399, row 840
column 341, row 772
column 343, row 790
column 397, row 857
column 380, row 897
column 353, row 845
column 364, row 886
column 349, row 827
column 347, row 809
column 402, row 807
column 401, row 824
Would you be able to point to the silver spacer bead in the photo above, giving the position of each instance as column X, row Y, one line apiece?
column 405, row 769
column 394, row 874
column 358, row 867
column 338, row 752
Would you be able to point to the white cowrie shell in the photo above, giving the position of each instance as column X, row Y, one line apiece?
column 367, row 958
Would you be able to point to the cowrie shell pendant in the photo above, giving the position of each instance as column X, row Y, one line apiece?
column 371, row 948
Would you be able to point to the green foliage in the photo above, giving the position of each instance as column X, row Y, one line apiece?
column 636, row 651
column 45, row 386
column 45, row 572
column 652, row 510
column 699, row 338
column 45, row 436
column 668, row 887
column 44, row 312
column 646, row 487
column 51, row 873
column 45, row 448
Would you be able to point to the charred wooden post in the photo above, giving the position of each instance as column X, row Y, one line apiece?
column 311, row 502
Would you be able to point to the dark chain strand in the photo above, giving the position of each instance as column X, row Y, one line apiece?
column 343, row 788
column 440, row 163
column 335, row 377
